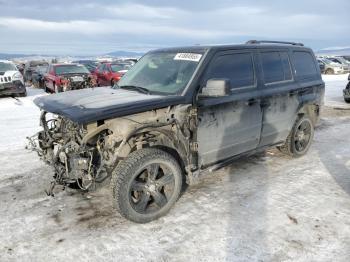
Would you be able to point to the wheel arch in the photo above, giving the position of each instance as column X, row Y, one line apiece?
column 309, row 109
column 163, row 139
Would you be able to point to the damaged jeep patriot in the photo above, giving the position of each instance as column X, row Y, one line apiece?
column 177, row 114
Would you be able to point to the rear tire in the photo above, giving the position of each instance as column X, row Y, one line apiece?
column 299, row 139
column 57, row 89
column 146, row 185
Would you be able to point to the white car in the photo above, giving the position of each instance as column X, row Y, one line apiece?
column 11, row 80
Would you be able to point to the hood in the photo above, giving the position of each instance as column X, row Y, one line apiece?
column 73, row 74
column 93, row 104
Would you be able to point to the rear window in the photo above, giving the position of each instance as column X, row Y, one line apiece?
column 276, row 67
column 238, row 68
column 71, row 69
column 304, row 64
column 119, row 67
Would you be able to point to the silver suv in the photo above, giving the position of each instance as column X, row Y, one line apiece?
column 332, row 67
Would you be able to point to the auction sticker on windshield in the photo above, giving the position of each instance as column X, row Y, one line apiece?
column 188, row 57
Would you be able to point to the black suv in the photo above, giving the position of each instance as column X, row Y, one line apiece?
column 177, row 114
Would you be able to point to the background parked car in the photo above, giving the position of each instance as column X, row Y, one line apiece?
column 38, row 76
column 30, row 67
column 333, row 67
column 11, row 80
column 109, row 73
column 340, row 60
column 64, row 77
column 346, row 57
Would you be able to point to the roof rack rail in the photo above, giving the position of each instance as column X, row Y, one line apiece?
column 272, row 42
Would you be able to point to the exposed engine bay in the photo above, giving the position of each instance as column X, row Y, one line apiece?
column 60, row 145
column 83, row 155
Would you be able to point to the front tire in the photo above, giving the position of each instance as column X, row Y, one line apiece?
column 329, row 71
column 146, row 185
column 299, row 139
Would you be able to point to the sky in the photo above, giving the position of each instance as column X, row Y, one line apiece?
column 86, row 27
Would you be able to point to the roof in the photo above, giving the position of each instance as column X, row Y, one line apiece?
column 253, row 44
column 65, row 64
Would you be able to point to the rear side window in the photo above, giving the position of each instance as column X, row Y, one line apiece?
column 304, row 64
column 238, row 68
column 276, row 67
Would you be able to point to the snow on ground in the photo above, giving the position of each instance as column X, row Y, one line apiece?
column 263, row 208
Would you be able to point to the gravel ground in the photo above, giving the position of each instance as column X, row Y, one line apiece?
column 263, row 208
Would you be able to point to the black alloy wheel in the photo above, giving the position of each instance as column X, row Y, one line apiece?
column 146, row 184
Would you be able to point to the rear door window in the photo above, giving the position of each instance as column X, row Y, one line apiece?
column 304, row 64
column 237, row 67
column 276, row 66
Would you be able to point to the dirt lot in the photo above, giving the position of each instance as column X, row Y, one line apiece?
column 263, row 208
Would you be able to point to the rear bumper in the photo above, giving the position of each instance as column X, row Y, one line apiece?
column 15, row 87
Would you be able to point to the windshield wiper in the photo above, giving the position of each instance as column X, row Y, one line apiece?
column 137, row 88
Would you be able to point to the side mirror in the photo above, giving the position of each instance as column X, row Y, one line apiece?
column 216, row 87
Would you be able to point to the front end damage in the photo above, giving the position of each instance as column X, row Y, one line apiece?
column 83, row 156
column 15, row 87
column 76, row 82
column 60, row 145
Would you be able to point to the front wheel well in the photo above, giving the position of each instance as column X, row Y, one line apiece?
column 174, row 153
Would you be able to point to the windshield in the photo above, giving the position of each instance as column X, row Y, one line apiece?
column 119, row 67
column 164, row 72
column 71, row 69
column 41, row 69
column 7, row 67
column 342, row 60
column 326, row 61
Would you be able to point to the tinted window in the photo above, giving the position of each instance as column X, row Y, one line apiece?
column 70, row 69
column 276, row 66
column 238, row 68
column 304, row 64
column 286, row 66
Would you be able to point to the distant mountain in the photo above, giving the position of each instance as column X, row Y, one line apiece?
column 125, row 54
column 11, row 56
column 343, row 51
column 35, row 56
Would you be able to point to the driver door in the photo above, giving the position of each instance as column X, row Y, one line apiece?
column 229, row 125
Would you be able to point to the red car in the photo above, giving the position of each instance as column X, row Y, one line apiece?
column 64, row 77
column 109, row 73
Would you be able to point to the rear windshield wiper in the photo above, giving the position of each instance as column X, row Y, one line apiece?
column 137, row 88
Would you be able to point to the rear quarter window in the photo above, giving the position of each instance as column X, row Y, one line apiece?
column 276, row 66
column 304, row 65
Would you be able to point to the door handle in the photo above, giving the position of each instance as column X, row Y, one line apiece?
column 293, row 92
column 265, row 103
column 251, row 102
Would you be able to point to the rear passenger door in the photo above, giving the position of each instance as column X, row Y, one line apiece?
column 279, row 100
column 230, row 125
